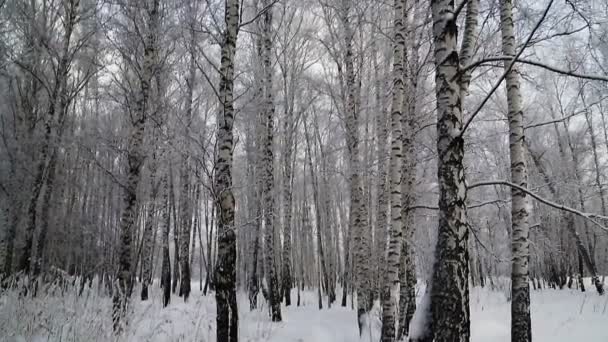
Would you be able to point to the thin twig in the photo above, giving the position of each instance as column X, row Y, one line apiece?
column 587, row 216
column 507, row 70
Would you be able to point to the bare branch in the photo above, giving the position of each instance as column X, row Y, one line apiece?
column 538, row 64
column 507, row 70
column 588, row 216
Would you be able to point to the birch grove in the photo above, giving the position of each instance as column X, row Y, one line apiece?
column 386, row 165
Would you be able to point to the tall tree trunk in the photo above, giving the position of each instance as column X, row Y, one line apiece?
column 287, row 281
column 176, row 231
column 185, row 181
column 57, row 105
column 274, row 292
column 407, row 271
column 148, row 234
column 588, row 116
column 390, row 305
column 45, row 213
column 225, row 271
column 521, row 329
column 578, row 177
column 569, row 220
column 166, row 263
column 135, row 161
column 449, row 289
column 381, row 186
column 357, row 206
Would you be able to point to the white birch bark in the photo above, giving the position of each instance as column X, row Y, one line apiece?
column 357, row 219
column 391, row 277
column 268, row 166
column 225, row 269
column 521, row 330
column 449, row 317
column 56, row 111
column 135, row 158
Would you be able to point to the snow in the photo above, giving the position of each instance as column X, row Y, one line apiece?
column 557, row 316
column 419, row 323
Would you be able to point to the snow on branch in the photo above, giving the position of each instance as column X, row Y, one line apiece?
column 507, row 69
column 566, row 72
column 588, row 216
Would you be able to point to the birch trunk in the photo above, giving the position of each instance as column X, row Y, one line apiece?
column 176, row 229
column 166, row 262
column 148, row 234
column 225, row 269
column 596, row 162
column 583, row 254
column 381, row 185
column 185, row 180
column 58, row 103
column 135, row 160
column 361, row 243
column 407, row 271
column 268, row 165
column 449, row 293
column 588, row 252
column 588, row 117
column 521, row 330
column 391, row 277
column 287, row 202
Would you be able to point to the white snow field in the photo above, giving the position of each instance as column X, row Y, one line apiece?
column 557, row 316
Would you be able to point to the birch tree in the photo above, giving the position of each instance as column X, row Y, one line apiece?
column 274, row 293
column 449, row 289
column 225, row 271
column 521, row 329
column 391, row 280
column 135, row 160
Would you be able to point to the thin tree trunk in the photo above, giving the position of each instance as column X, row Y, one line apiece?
column 148, row 234
column 176, row 232
column 357, row 217
column 225, row 271
column 521, row 329
column 185, row 182
column 407, row 270
column 287, row 203
column 57, row 104
column 381, row 186
column 268, row 169
column 166, row 263
column 390, row 305
column 135, row 161
column 596, row 281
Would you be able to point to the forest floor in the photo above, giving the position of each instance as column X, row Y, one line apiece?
column 557, row 316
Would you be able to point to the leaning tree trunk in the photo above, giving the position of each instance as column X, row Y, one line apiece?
column 595, row 279
column 135, row 160
column 583, row 254
column 578, row 177
column 449, row 319
column 58, row 102
column 521, row 330
column 225, row 270
column 391, row 276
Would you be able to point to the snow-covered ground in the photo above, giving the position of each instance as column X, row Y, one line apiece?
column 557, row 315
